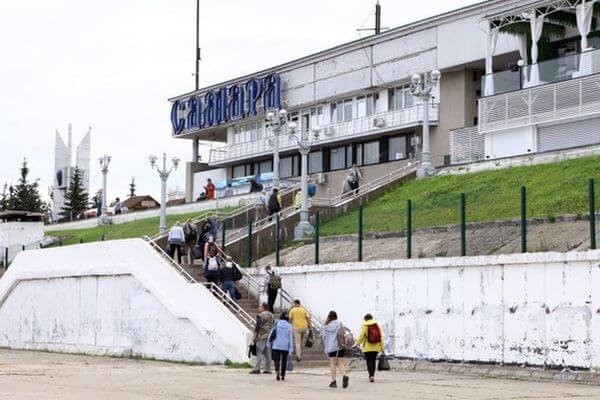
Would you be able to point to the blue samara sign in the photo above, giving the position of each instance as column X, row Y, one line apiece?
column 226, row 104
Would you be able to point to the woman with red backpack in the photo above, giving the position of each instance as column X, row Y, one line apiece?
column 371, row 340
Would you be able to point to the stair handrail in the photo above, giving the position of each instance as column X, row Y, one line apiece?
column 215, row 289
column 261, row 223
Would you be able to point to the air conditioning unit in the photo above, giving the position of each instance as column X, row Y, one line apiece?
column 328, row 131
column 320, row 178
column 378, row 122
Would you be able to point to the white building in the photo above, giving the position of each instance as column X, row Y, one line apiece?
column 63, row 167
column 358, row 93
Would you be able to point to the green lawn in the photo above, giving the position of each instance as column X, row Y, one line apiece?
column 134, row 229
column 552, row 189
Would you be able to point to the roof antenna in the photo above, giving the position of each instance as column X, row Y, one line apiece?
column 378, row 27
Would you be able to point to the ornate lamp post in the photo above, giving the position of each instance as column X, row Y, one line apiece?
column 305, row 141
column 104, row 163
column 275, row 122
column 421, row 87
column 163, row 173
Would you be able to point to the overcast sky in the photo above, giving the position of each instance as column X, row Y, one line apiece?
column 112, row 64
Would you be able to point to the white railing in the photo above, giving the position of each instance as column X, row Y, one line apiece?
column 235, row 235
column 214, row 289
column 380, row 122
column 542, row 104
column 467, row 145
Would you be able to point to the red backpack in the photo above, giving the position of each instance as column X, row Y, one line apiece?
column 373, row 334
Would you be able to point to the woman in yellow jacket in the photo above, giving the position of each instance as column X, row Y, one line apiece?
column 371, row 341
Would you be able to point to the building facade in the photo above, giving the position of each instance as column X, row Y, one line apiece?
column 358, row 95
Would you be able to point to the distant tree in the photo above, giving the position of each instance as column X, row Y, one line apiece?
column 4, row 198
column 25, row 196
column 76, row 198
column 132, row 187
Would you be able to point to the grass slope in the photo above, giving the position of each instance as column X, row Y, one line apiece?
column 552, row 189
column 133, row 229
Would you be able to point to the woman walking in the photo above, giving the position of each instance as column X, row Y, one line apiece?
column 281, row 341
column 334, row 349
column 371, row 340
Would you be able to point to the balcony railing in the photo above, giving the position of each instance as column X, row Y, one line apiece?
column 466, row 145
column 550, row 71
column 543, row 104
column 363, row 126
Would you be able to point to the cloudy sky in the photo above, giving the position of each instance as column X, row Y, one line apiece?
column 112, row 64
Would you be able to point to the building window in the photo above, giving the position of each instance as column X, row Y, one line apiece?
column 249, row 132
column 347, row 110
column 400, row 98
column 265, row 167
column 239, row 171
column 315, row 162
column 397, row 148
column 316, row 116
column 286, row 167
column 370, row 153
column 337, row 158
column 365, row 105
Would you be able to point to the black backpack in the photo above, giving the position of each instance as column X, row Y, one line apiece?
column 189, row 231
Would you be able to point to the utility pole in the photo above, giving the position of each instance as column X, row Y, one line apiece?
column 197, row 75
column 377, row 18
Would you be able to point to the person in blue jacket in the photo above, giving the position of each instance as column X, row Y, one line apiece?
column 281, row 341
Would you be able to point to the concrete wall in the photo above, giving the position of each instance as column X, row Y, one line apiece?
column 538, row 309
column 119, row 298
column 15, row 235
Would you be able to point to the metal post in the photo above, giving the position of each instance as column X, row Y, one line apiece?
column 592, row 204
column 463, row 226
column 22, row 247
column 249, row 243
column 223, row 235
column 276, row 132
column 360, row 233
column 523, row 219
column 197, row 46
column 6, row 258
column 277, row 240
column 409, row 229
column 81, row 240
column 162, row 226
column 317, row 225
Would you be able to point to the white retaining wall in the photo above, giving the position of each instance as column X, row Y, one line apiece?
column 15, row 235
column 118, row 298
column 537, row 309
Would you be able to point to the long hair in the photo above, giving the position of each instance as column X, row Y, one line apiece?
column 332, row 316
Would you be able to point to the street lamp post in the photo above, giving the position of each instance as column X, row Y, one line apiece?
column 305, row 141
column 104, row 163
column 275, row 123
column 421, row 87
column 163, row 173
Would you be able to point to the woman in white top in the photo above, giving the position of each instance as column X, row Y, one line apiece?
column 176, row 239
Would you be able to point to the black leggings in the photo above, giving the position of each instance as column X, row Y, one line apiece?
column 272, row 296
column 172, row 249
column 371, row 357
column 280, row 359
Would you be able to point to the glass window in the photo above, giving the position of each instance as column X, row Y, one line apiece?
column 349, row 156
column 391, row 99
column 371, row 103
column 347, row 110
column 361, row 107
column 286, row 167
column 316, row 116
column 397, row 148
column 305, row 123
column 265, row 166
column 315, row 162
column 338, row 158
column 409, row 99
column 239, row 171
column 359, row 154
column 371, row 153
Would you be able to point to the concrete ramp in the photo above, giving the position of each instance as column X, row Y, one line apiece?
column 118, row 298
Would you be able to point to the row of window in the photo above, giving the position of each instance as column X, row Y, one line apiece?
column 331, row 159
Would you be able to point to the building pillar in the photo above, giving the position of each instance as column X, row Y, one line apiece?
column 195, row 150
column 492, row 40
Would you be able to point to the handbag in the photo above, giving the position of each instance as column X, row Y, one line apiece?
column 290, row 364
column 213, row 264
column 237, row 274
column 252, row 350
column 309, row 340
column 273, row 334
column 383, row 364
column 198, row 253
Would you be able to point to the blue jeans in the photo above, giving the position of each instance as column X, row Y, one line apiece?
column 229, row 287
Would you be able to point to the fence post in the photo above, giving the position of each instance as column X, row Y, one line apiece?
column 463, row 225
column 6, row 258
column 523, row 219
column 360, row 233
column 592, row 204
column 249, row 243
column 22, row 247
column 223, row 236
column 317, row 227
column 277, row 240
column 409, row 228
column 81, row 240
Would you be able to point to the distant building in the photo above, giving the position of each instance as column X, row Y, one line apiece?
column 19, row 230
column 139, row 203
column 63, row 168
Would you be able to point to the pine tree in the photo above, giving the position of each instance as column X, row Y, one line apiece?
column 4, row 198
column 76, row 198
column 132, row 187
column 25, row 196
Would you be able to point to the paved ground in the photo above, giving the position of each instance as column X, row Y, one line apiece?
column 31, row 375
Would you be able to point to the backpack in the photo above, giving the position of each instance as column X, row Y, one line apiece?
column 345, row 338
column 373, row 334
column 273, row 204
column 189, row 232
column 275, row 282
